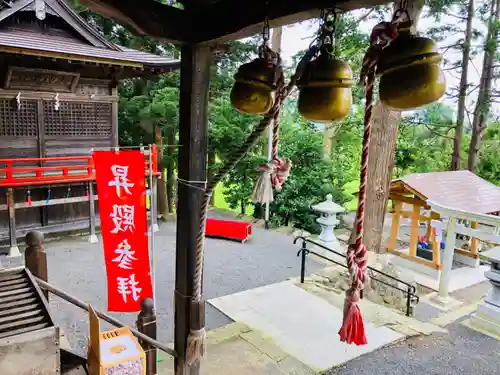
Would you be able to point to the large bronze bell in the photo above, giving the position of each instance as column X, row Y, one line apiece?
column 325, row 90
column 410, row 75
column 253, row 90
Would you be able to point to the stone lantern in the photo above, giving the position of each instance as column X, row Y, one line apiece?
column 487, row 317
column 328, row 219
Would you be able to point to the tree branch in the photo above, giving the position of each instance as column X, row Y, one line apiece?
column 436, row 132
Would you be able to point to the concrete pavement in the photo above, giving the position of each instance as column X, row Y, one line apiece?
column 77, row 267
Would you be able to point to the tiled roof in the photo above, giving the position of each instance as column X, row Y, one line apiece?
column 456, row 189
column 26, row 41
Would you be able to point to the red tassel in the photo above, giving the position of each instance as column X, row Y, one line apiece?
column 353, row 328
column 29, row 199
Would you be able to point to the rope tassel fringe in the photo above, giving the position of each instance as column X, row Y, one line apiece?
column 195, row 346
column 353, row 328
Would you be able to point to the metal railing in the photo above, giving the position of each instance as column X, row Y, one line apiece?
column 411, row 297
column 115, row 322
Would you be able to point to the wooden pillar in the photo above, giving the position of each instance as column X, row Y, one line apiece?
column 11, row 204
column 414, row 230
column 436, row 248
column 193, row 124
column 428, row 233
column 161, row 197
column 171, row 141
column 92, row 225
column 396, row 216
column 474, row 242
column 35, row 257
column 115, row 138
column 146, row 323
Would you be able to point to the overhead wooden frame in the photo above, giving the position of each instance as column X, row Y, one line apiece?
column 226, row 20
column 214, row 21
column 147, row 17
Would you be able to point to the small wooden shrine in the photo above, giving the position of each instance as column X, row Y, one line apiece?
column 461, row 190
column 58, row 100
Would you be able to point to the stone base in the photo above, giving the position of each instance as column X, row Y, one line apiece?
column 333, row 245
column 487, row 318
column 93, row 238
column 14, row 252
column 417, row 267
column 444, row 304
column 465, row 260
column 9, row 262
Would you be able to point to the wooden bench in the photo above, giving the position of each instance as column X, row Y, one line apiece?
column 228, row 229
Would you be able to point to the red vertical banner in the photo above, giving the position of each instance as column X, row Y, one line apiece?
column 122, row 206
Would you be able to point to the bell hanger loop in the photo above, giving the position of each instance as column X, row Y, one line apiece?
column 326, row 38
column 273, row 58
column 264, row 49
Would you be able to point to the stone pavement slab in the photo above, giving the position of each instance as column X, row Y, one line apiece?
column 301, row 324
column 237, row 349
column 373, row 313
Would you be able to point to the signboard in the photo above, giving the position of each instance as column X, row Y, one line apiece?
column 122, row 207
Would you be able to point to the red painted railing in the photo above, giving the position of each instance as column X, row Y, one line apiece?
column 69, row 169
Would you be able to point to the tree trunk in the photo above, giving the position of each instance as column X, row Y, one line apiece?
column 464, row 84
column 170, row 167
column 382, row 158
column 162, row 205
column 482, row 108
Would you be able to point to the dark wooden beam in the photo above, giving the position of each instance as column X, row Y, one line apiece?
column 227, row 20
column 146, row 17
column 207, row 21
column 193, row 125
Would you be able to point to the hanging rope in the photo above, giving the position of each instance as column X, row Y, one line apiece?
column 274, row 173
column 353, row 330
column 197, row 335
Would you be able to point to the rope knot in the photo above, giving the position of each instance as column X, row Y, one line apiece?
column 280, row 172
column 381, row 37
column 353, row 296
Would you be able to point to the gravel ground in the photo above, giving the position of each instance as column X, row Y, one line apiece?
column 461, row 351
column 77, row 267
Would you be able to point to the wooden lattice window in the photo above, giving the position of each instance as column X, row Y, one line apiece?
column 18, row 121
column 75, row 119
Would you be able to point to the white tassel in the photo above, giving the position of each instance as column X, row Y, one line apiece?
column 274, row 174
column 263, row 190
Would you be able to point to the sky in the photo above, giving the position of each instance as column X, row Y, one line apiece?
column 298, row 37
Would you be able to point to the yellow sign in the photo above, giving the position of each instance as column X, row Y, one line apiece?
column 114, row 352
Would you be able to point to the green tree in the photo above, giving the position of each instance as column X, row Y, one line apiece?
column 489, row 164
column 311, row 178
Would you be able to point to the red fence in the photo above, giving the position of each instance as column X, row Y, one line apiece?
column 55, row 170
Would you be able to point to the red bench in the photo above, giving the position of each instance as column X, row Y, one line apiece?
column 228, row 229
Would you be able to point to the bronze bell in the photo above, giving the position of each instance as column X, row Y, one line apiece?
column 253, row 90
column 410, row 75
column 325, row 90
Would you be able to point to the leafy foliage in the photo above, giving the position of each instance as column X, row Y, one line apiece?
column 425, row 137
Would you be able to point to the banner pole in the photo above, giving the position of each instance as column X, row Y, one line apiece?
column 151, row 227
